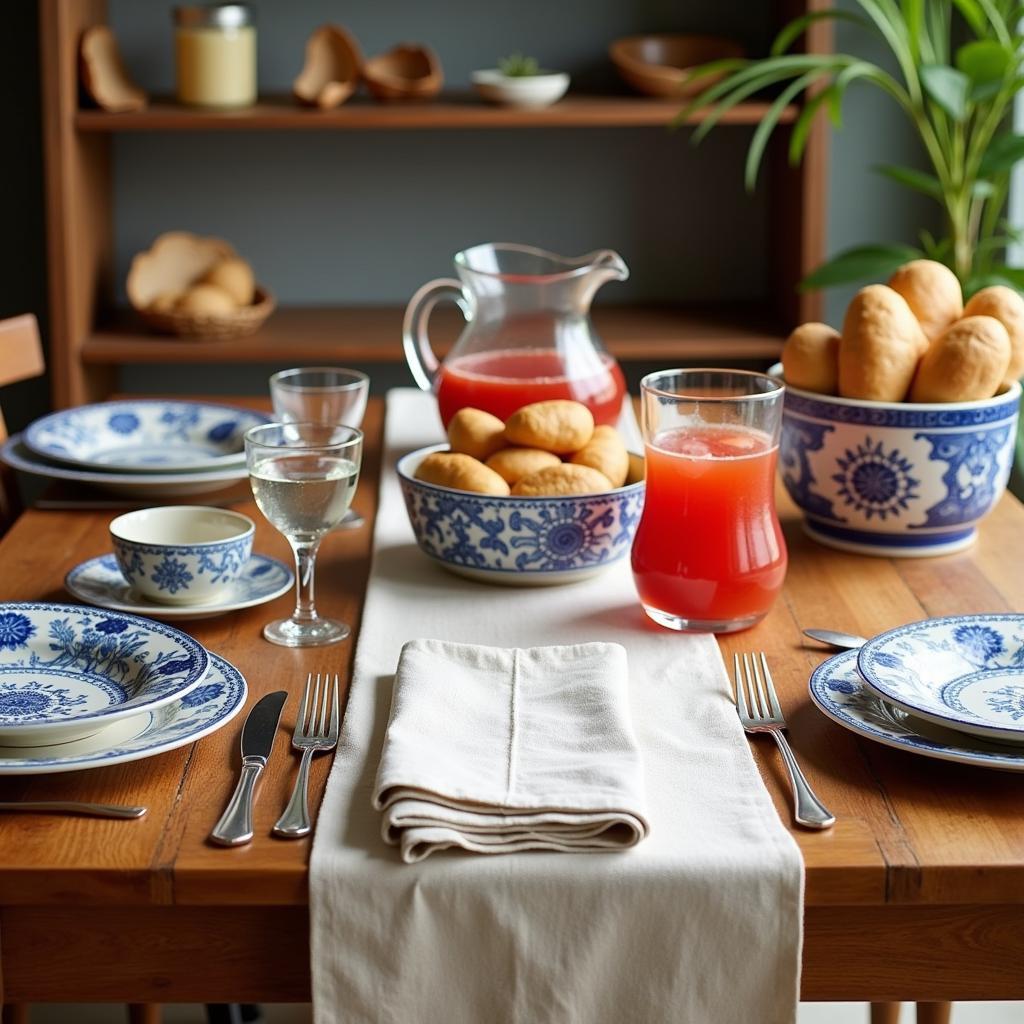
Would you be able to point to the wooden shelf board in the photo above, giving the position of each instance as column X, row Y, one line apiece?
column 276, row 113
column 374, row 335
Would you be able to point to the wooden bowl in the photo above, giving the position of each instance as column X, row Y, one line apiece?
column 172, row 264
column 406, row 72
column 658, row 65
column 332, row 68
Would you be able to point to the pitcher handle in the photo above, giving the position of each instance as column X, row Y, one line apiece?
column 415, row 340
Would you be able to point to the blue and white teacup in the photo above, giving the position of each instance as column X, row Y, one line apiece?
column 182, row 554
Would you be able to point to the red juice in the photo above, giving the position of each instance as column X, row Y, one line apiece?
column 503, row 381
column 709, row 549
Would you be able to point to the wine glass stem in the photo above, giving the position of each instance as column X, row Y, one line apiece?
column 305, row 563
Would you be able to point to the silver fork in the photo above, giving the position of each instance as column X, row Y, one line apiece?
column 760, row 712
column 313, row 732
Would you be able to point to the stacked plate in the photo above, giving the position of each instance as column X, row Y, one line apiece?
column 82, row 688
column 138, row 448
column 949, row 688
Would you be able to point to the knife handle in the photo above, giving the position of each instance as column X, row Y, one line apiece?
column 235, row 825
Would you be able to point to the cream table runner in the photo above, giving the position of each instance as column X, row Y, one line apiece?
column 698, row 924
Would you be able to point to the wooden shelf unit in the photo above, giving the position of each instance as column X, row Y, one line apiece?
column 281, row 113
column 89, row 340
column 374, row 334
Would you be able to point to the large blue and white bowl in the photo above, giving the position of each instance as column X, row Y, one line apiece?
column 519, row 541
column 896, row 478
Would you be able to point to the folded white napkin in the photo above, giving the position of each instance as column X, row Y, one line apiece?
column 496, row 750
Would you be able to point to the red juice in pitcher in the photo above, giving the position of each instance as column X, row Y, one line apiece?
column 500, row 382
column 709, row 552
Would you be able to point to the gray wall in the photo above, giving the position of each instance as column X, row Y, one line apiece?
column 368, row 216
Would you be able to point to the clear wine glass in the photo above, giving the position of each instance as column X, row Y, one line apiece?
column 322, row 394
column 303, row 477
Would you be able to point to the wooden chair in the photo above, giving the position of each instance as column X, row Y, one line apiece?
column 21, row 357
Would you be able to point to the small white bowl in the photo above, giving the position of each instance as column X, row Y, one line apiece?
column 182, row 554
column 521, row 91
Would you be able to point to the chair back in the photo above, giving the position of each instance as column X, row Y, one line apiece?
column 21, row 357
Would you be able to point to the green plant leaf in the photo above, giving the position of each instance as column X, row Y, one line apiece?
column 768, row 123
column 982, row 189
column 858, row 264
column 796, row 28
column 1011, row 277
column 1003, row 152
column 948, row 88
column 805, row 122
column 984, row 61
column 972, row 13
column 913, row 15
column 919, row 181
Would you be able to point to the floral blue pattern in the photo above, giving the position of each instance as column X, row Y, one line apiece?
column 171, row 575
column 874, row 481
column 35, row 700
column 15, row 630
column 978, row 643
column 1009, row 700
column 123, row 423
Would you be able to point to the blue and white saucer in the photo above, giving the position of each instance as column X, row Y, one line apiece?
column 841, row 694
column 964, row 672
column 207, row 708
column 99, row 581
column 145, row 435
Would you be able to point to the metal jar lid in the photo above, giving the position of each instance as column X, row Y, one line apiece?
column 215, row 16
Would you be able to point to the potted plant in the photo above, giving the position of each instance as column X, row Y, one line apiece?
column 957, row 96
column 519, row 81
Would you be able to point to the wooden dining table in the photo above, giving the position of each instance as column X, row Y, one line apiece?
column 917, row 893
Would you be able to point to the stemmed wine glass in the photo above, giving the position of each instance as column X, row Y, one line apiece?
column 303, row 477
column 322, row 394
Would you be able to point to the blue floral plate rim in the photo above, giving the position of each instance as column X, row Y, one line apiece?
column 207, row 708
column 838, row 691
column 935, row 707
column 280, row 581
column 516, row 501
column 189, row 663
column 34, row 435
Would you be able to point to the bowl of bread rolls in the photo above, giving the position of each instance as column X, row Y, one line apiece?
column 898, row 431
column 197, row 288
column 543, row 498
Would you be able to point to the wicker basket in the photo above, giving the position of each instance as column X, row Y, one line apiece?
column 201, row 328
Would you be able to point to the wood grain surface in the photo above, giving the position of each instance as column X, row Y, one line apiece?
column 918, row 892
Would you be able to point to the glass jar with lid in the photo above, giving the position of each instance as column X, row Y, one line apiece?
column 215, row 51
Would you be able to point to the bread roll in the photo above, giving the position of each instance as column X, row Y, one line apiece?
column 235, row 276
column 968, row 362
column 562, row 479
column 558, row 426
column 206, row 300
column 475, row 432
column 606, row 453
column 810, row 358
column 512, row 464
column 1007, row 306
column 932, row 292
column 461, row 472
column 880, row 346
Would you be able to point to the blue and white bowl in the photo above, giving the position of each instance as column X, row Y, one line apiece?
column 145, row 435
column 896, row 478
column 182, row 554
column 519, row 541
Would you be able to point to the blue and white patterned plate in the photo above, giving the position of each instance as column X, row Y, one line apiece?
column 838, row 691
column 212, row 704
column 67, row 671
column 965, row 672
column 145, row 436
column 99, row 581
column 129, row 485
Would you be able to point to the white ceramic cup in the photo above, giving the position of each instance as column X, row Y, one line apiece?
column 182, row 554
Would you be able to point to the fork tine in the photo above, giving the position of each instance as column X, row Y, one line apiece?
column 748, row 675
column 300, row 722
column 322, row 726
column 314, row 705
column 754, row 674
column 773, row 697
column 741, row 697
column 335, row 712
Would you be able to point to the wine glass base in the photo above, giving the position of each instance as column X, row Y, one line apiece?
column 318, row 633
column 682, row 625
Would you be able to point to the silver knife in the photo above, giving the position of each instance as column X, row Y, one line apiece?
column 235, row 825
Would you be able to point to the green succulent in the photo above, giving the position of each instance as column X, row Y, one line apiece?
column 517, row 65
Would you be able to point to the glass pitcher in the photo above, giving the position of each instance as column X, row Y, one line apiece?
column 528, row 335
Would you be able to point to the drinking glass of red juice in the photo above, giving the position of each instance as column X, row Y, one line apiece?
column 709, row 555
